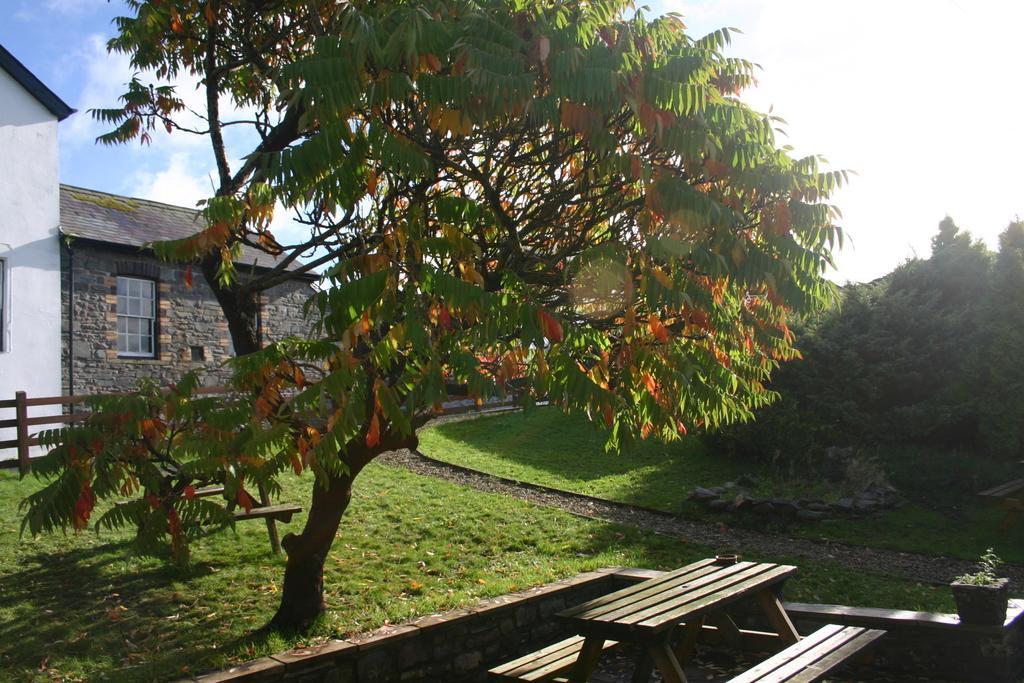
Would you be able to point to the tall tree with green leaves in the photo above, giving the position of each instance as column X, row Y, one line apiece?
column 565, row 201
column 999, row 375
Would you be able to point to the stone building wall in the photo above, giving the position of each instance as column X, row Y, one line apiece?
column 189, row 321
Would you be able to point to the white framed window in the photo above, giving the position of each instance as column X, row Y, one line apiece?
column 136, row 317
column 3, row 305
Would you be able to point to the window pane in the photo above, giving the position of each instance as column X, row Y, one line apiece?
column 147, row 308
column 122, row 286
column 122, row 343
column 147, row 289
column 133, row 288
column 147, row 344
column 122, row 325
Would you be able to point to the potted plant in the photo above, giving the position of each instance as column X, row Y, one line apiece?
column 981, row 597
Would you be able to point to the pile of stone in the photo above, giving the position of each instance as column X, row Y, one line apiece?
column 736, row 496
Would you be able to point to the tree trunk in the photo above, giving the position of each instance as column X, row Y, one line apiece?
column 302, row 598
column 240, row 307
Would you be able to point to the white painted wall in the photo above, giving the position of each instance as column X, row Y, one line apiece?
column 29, row 218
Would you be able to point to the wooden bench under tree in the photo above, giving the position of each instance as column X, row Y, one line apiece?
column 551, row 663
column 813, row 657
column 1009, row 497
column 265, row 510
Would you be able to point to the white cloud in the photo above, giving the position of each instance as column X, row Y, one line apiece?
column 916, row 97
column 72, row 7
column 179, row 182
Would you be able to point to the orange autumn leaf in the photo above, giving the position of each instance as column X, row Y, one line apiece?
column 658, row 329
column 431, row 62
column 651, row 384
column 188, row 277
column 83, row 507
column 609, row 414
column 148, row 428
column 373, row 432
column 174, row 524
column 244, row 499
column 549, row 326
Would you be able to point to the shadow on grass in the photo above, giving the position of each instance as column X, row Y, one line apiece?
column 546, row 447
column 135, row 624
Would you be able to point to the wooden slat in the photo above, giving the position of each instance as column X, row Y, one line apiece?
column 207, row 491
column 1003, row 489
column 80, row 398
column 55, row 419
column 663, row 595
column 282, row 513
column 519, row 665
column 12, row 422
column 813, row 657
column 770, row 665
column 635, row 588
column 9, row 443
column 660, row 590
column 546, row 663
column 837, row 657
column 656, row 619
column 810, row 657
column 8, row 403
column 847, row 642
column 56, row 400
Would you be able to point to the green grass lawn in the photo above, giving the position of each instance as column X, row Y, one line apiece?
column 77, row 605
column 566, row 452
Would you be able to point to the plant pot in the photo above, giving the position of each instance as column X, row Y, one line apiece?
column 981, row 604
column 726, row 559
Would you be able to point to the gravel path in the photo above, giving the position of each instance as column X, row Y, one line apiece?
column 939, row 570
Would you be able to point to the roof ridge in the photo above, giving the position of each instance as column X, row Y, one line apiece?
column 129, row 198
column 35, row 87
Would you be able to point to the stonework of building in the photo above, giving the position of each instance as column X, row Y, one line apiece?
column 128, row 316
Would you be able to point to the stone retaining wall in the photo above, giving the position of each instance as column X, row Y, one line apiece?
column 456, row 647
column 461, row 645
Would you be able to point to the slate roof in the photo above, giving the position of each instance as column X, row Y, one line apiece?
column 35, row 87
column 127, row 221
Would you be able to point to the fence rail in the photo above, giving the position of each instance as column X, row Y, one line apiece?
column 24, row 440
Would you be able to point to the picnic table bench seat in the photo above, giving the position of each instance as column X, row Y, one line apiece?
column 546, row 664
column 280, row 513
column 813, row 657
column 1006, row 490
column 1008, row 496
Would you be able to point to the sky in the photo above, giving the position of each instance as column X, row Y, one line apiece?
column 921, row 99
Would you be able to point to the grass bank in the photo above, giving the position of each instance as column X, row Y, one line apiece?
column 566, row 452
column 80, row 606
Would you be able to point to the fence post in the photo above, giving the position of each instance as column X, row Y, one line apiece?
column 21, row 415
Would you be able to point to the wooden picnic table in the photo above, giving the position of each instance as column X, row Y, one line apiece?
column 649, row 613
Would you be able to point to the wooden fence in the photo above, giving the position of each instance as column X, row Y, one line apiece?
column 25, row 439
